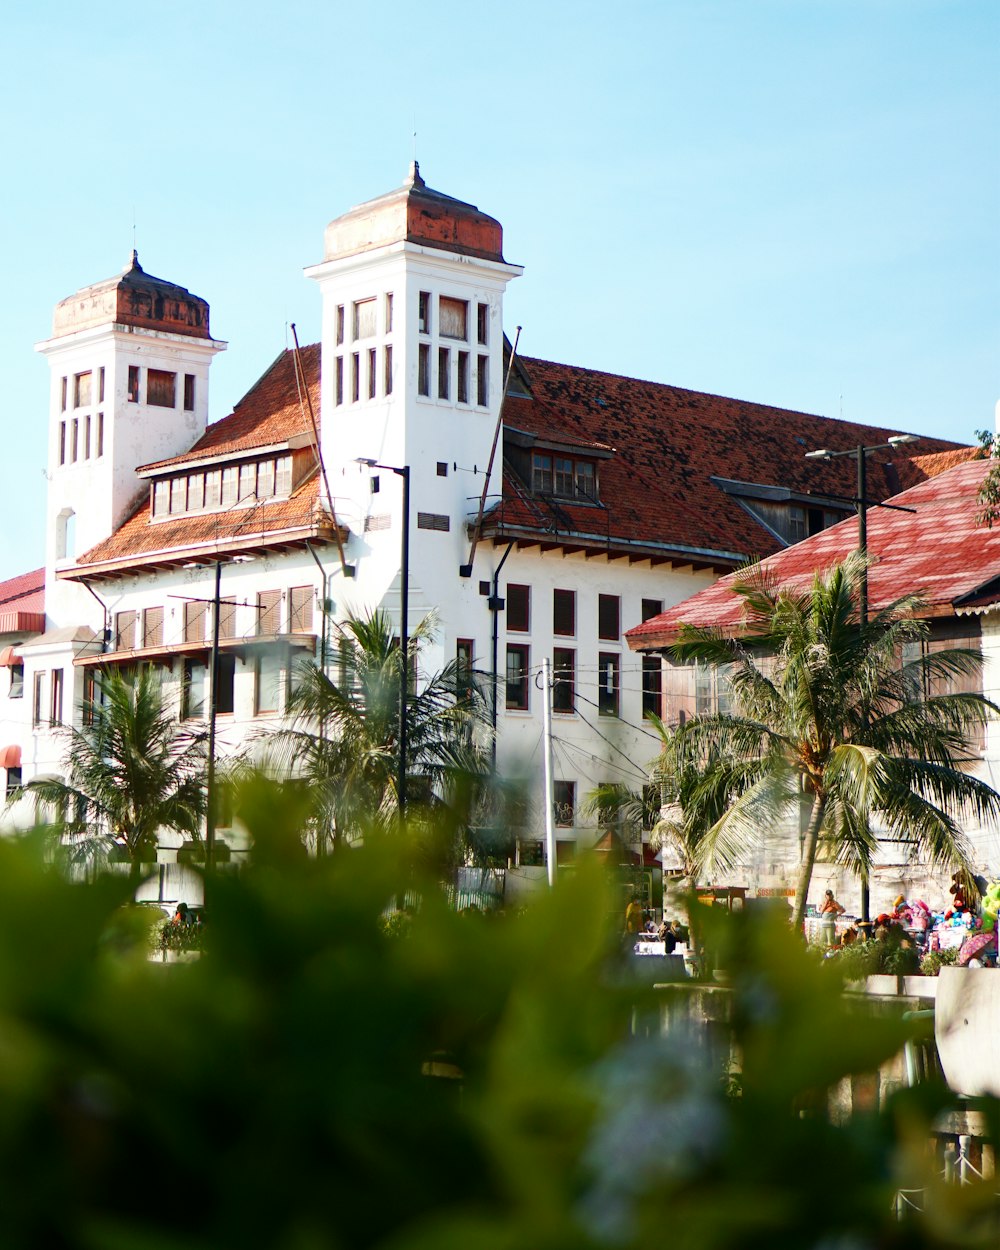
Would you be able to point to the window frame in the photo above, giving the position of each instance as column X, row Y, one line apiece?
column 517, row 693
column 513, row 619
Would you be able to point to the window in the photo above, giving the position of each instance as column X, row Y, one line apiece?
column 372, row 373
column 339, row 383
column 14, row 784
column 65, row 382
column 454, row 314
column 16, row 690
column 100, row 385
column 340, row 324
column 423, row 369
column 225, row 687
column 86, row 437
column 100, row 434
column 609, row 617
column 133, row 384
column 82, row 389
column 463, row 378
column 125, row 631
column 563, row 680
column 161, row 388
column 518, row 608
column 267, row 687
column 387, row 360
column 196, row 492
column 229, row 484
column 265, row 479
column 227, row 618
column 152, row 627
column 563, row 477
column 195, row 621
column 482, row 382
column 189, row 392
column 464, row 662
column 444, row 372
column 178, row 494
column 541, row 474
column 564, row 802
column 652, row 685
column 482, row 322
column 62, row 442
column 248, row 481
column 364, row 318
column 388, row 312
column 74, row 443
column 161, row 497
column 586, row 482
column 564, row 613
column 193, row 684
column 517, row 678
column 608, row 683
column 36, row 700
column 355, row 377
column 301, row 610
column 283, row 475
column 56, row 697
column 213, row 488
column 424, row 312
column 269, row 612
column 651, row 608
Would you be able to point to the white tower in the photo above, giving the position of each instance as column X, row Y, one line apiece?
column 129, row 360
column 412, row 375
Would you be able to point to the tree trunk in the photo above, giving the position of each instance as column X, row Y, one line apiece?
column 808, row 859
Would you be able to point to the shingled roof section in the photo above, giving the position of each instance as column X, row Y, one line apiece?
column 669, row 443
column 938, row 550
column 24, row 593
column 272, row 411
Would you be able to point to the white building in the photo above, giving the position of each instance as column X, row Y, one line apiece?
column 606, row 500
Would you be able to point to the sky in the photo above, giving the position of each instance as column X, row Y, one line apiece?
column 787, row 201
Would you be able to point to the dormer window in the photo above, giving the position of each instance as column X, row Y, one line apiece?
column 250, row 482
column 563, row 476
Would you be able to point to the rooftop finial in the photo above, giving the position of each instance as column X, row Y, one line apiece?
column 414, row 179
column 133, row 263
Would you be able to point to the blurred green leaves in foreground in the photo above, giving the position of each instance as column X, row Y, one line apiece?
column 320, row 1078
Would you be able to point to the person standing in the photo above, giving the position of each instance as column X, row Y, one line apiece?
column 829, row 910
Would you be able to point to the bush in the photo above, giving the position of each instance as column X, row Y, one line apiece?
column 315, row 1081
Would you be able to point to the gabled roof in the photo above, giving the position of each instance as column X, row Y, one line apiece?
column 22, row 603
column 656, row 491
column 937, row 550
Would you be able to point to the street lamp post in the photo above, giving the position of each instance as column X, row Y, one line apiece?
column 404, row 609
column 861, row 453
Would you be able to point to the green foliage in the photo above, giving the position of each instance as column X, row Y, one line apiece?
column 934, row 961
column 989, row 490
column 825, row 709
column 319, row 1079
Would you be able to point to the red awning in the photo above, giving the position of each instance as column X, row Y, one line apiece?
column 8, row 657
column 10, row 757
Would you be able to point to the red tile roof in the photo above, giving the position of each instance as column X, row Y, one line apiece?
column 24, row 593
column 670, row 442
column 272, row 411
column 938, row 550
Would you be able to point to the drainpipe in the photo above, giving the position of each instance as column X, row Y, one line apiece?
column 107, row 615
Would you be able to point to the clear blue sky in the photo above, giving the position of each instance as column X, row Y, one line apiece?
column 789, row 201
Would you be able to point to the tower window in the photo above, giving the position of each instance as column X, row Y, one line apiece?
column 463, row 377
column 62, row 442
column 81, row 389
column 424, row 370
column 133, row 384
column 100, row 385
column 388, row 368
column 339, row 383
column 372, row 373
column 482, row 382
column 340, row 324
column 161, row 388
column 355, row 377
column 65, row 387
column 454, row 315
column 364, row 318
column 388, row 312
column 482, row 322
column 188, row 392
column 74, row 444
column 100, row 434
column 86, row 437
column 424, row 312
column 444, row 372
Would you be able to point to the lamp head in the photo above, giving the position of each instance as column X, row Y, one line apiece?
column 822, row 453
column 897, row 440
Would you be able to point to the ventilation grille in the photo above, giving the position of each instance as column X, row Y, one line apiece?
column 433, row 521
column 381, row 522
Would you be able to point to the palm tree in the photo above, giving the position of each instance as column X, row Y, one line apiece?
column 824, row 708
column 345, row 740
column 131, row 771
